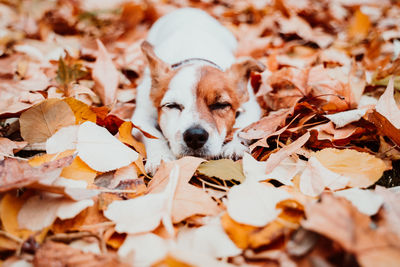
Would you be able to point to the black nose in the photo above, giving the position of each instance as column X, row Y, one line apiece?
column 195, row 137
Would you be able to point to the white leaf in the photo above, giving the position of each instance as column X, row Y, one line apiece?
column 366, row 201
column 144, row 213
column 210, row 240
column 102, row 151
column 63, row 139
column 387, row 107
column 143, row 249
column 284, row 172
column 40, row 211
column 254, row 203
column 105, row 75
column 343, row 118
column 316, row 177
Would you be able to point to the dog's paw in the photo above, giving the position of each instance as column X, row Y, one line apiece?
column 234, row 150
column 154, row 161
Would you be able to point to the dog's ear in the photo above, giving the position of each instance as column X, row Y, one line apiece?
column 158, row 68
column 240, row 72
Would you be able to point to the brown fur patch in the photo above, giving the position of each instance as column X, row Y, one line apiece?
column 215, row 87
column 159, row 86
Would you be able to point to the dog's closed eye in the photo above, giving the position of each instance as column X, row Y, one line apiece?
column 173, row 106
column 219, row 106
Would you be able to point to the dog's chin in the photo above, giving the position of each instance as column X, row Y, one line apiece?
column 200, row 153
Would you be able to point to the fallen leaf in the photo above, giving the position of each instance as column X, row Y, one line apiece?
column 10, row 206
column 79, row 170
column 8, row 147
column 337, row 219
column 16, row 174
column 81, row 110
column 144, row 213
column 387, row 107
column 366, row 201
column 275, row 158
column 361, row 168
column 125, row 136
column 210, row 240
column 189, row 200
column 43, row 120
column 254, row 203
column 225, row 169
column 64, row 139
column 315, row 178
column 143, row 249
column 343, row 118
column 359, row 26
column 102, row 151
column 105, row 75
column 40, row 211
column 284, row 172
column 52, row 254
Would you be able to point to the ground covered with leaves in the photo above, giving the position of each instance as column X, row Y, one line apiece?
column 317, row 188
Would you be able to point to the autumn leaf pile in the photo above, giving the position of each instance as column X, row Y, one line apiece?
column 73, row 187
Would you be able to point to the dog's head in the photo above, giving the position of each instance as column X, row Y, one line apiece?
column 197, row 103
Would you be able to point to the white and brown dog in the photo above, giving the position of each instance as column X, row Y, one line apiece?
column 194, row 92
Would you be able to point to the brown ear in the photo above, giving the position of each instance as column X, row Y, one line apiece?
column 158, row 68
column 241, row 70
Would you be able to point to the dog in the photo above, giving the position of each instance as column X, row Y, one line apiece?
column 194, row 92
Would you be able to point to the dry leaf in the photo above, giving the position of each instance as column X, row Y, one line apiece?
column 102, row 151
column 143, row 250
column 284, row 172
column 343, row 118
column 63, row 139
column 54, row 254
column 189, row 200
column 366, row 201
column 81, row 110
column 16, row 174
column 359, row 26
column 275, row 158
column 361, row 168
column 40, row 211
column 43, row 120
column 105, row 75
column 315, row 178
column 79, row 170
column 254, row 203
column 125, row 136
column 387, row 107
column 8, row 147
column 144, row 213
column 210, row 240
column 225, row 169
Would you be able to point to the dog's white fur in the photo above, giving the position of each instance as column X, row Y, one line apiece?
column 184, row 34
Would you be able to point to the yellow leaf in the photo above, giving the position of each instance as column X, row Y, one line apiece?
column 39, row 160
column 10, row 206
column 81, row 110
column 42, row 120
column 125, row 136
column 225, row 169
column 362, row 168
column 359, row 26
column 79, row 170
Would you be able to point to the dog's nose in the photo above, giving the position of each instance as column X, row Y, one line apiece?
column 195, row 137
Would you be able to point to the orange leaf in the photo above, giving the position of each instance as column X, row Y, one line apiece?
column 79, row 170
column 359, row 26
column 81, row 110
column 125, row 136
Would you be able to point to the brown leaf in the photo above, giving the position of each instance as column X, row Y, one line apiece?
column 16, row 174
column 42, row 121
column 105, row 75
column 189, row 200
column 58, row 254
column 338, row 220
column 8, row 147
